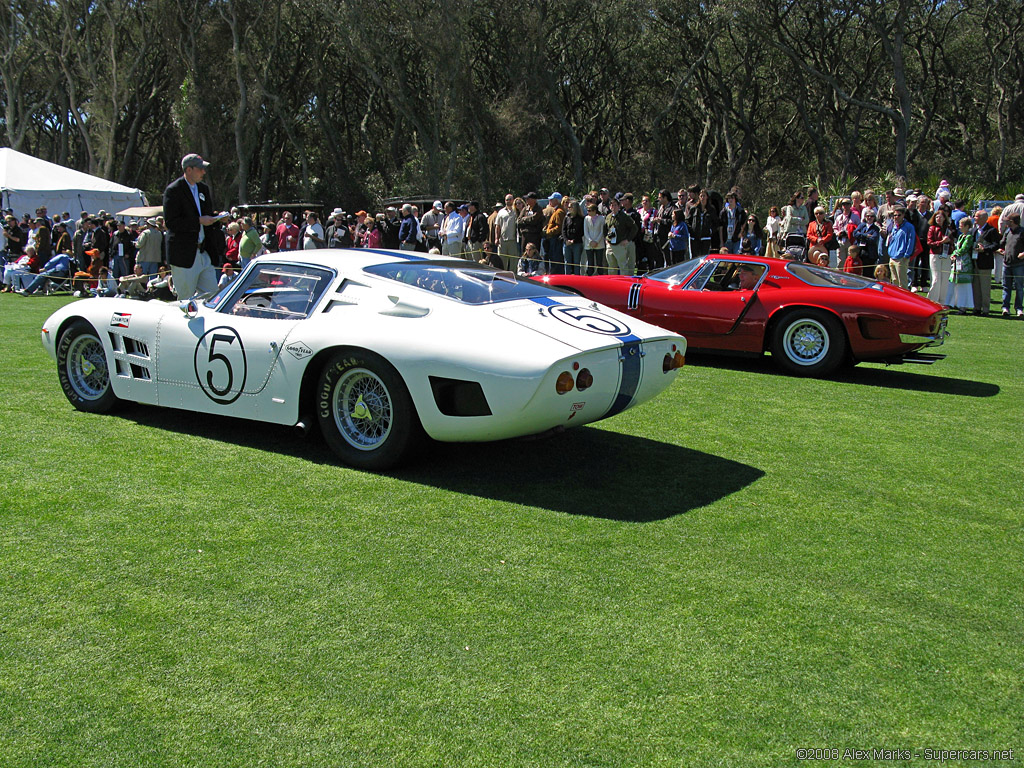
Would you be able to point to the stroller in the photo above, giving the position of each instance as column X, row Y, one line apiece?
column 794, row 247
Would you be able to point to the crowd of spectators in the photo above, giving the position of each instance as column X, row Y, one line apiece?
column 924, row 242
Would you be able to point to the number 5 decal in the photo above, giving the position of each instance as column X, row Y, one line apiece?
column 219, row 355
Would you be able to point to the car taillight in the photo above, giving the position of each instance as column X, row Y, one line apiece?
column 564, row 383
column 584, row 380
column 673, row 361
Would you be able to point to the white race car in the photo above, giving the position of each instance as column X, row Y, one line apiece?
column 378, row 346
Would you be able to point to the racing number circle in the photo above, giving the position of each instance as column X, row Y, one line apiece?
column 588, row 320
column 220, row 365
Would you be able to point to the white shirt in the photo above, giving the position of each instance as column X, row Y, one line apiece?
column 453, row 228
column 316, row 229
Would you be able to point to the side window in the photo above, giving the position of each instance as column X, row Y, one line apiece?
column 698, row 281
column 278, row 292
column 726, row 276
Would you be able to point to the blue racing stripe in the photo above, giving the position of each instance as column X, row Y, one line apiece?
column 632, row 363
column 545, row 301
column 629, row 383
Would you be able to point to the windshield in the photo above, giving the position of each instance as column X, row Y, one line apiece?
column 274, row 291
column 472, row 284
column 677, row 273
column 828, row 277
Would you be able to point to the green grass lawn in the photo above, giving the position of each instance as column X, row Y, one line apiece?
column 747, row 565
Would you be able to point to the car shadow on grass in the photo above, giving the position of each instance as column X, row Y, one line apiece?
column 582, row 471
column 585, row 471
column 908, row 377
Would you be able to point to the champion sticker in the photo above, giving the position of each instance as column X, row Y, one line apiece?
column 120, row 320
column 587, row 319
column 299, row 350
column 576, row 408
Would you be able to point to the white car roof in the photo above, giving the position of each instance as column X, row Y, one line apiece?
column 355, row 258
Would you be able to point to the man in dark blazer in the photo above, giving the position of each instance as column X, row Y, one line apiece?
column 195, row 245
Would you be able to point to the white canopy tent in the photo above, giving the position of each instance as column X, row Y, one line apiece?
column 27, row 183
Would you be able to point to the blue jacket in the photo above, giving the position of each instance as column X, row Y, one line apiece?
column 679, row 237
column 902, row 242
column 407, row 230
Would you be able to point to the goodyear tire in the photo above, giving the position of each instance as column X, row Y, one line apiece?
column 808, row 343
column 365, row 411
column 82, row 369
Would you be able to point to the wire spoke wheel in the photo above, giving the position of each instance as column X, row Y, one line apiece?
column 83, row 371
column 362, row 409
column 366, row 414
column 87, row 368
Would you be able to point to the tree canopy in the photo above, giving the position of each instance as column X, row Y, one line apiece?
column 351, row 101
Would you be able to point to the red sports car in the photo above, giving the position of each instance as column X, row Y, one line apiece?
column 810, row 318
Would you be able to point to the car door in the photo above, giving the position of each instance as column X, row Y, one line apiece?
column 220, row 359
column 710, row 309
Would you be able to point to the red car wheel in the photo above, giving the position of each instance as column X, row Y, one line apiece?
column 808, row 343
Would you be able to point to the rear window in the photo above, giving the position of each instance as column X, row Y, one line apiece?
column 472, row 284
column 820, row 276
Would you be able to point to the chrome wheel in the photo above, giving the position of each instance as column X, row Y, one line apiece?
column 362, row 408
column 806, row 341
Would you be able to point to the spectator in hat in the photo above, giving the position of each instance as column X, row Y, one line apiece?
column 531, row 226
column 430, row 225
column 148, row 247
column 195, row 245
column 338, row 233
column 227, row 275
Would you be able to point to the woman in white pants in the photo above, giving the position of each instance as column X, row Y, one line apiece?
column 940, row 242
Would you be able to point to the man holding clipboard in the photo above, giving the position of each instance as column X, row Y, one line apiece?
column 195, row 246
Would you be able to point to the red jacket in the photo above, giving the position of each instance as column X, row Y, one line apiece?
column 822, row 235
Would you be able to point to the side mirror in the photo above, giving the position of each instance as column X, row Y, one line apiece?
column 190, row 308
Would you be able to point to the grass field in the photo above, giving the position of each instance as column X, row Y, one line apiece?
column 747, row 565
